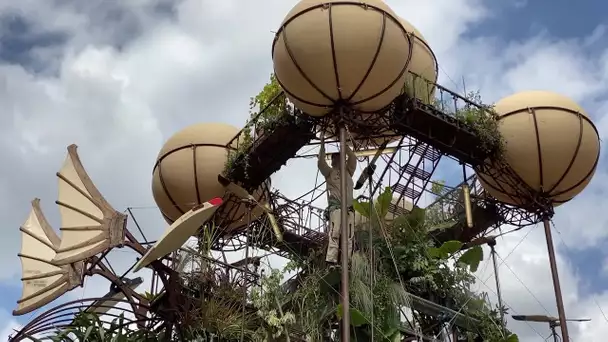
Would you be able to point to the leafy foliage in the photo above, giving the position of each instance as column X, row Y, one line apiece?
column 405, row 261
column 479, row 117
column 266, row 299
column 482, row 121
column 269, row 105
column 267, row 110
column 87, row 327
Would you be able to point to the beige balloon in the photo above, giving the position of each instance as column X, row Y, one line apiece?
column 423, row 67
column 186, row 170
column 421, row 76
column 550, row 143
column 366, row 68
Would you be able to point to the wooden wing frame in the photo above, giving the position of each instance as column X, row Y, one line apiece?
column 89, row 224
column 43, row 281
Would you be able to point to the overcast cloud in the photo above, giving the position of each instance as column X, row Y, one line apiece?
column 119, row 77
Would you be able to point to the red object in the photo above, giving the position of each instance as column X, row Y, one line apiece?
column 215, row 201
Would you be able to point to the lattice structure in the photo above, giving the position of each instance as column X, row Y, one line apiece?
column 91, row 228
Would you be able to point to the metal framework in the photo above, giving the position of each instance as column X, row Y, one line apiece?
column 427, row 133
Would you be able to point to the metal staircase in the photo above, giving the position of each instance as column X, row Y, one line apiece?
column 415, row 174
column 432, row 131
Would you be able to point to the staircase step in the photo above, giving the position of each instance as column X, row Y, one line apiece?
column 408, row 191
column 416, row 172
column 428, row 153
column 397, row 210
column 314, row 236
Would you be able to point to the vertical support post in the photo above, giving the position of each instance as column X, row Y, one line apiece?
column 249, row 205
column 370, row 174
column 556, row 286
column 492, row 244
column 344, row 290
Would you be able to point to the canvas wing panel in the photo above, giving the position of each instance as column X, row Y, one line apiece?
column 89, row 225
column 179, row 232
column 42, row 280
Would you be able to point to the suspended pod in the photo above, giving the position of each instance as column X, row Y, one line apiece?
column 185, row 175
column 89, row 224
column 551, row 145
column 420, row 79
column 332, row 53
column 42, row 280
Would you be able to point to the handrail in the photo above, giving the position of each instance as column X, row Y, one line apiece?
column 452, row 93
column 254, row 119
column 429, row 85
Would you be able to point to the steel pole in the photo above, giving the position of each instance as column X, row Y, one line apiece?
column 556, row 287
column 492, row 244
column 249, row 207
column 345, row 327
column 370, row 180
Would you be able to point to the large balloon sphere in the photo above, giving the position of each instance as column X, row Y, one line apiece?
column 422, row 76
column 186, row 170
column 330, row 52
column 550, row 143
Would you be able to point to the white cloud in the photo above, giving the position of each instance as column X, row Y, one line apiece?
column 119, row 103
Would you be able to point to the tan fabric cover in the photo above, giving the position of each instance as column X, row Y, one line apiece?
column 357, row 33
column 43, row 281
column 177, row 234
column 179, row 182
column 423, row 64
column 558, row 134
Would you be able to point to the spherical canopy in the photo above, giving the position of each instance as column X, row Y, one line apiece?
column 330, row 52
column 186, row 170
column 550, row 143
column 423, row 64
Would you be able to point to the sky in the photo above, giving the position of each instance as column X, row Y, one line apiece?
column 120, row 77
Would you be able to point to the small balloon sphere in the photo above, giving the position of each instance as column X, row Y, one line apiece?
column 423, row 67
column 186, row 170
column 550, row 143
column 337, row 52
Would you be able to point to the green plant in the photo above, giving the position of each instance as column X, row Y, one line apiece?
column 406, row 261
column 480, row 117
column 217, row 300
column 240, row 153
column 269, row 106
column 88, row 327
column 149, row 296
column 405, row 251
column 419, row 87
column 267, row 110
column 266, row 299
